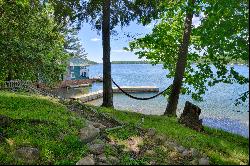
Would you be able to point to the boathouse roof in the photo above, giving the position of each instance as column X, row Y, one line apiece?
column 78, row 62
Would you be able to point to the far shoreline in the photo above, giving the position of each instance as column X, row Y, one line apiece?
column 138, row 63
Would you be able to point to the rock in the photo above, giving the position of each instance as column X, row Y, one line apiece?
column 88, row 160
column 170, row 144
column 186, row 153
column 203, row 161
column 180, row 149
column 194, row 162
column 5, row 121
column 149, row 153
column 98, row 141
column 27, row 154
column 102, row 158
column 87, row 123
column 151, row 132
column 101, row 163
column 153, row 163
column 114, row 160
column 204, row 155
column 96, row 149
column 99, row 125
column 88, row 133
column 160, row 139
column 190, row 117
column 194, row 152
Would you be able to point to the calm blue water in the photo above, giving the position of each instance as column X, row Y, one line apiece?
column 218, row 109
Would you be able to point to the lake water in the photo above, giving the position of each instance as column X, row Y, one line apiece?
column 218, row 109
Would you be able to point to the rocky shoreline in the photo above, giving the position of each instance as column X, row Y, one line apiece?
column 95, row 135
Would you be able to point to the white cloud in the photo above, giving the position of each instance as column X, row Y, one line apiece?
column 95, row 39
column 119, row 51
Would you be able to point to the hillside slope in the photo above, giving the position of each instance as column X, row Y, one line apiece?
column 40, row 123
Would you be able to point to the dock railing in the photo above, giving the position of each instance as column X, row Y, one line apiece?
column 28, row 85
column 14, row 84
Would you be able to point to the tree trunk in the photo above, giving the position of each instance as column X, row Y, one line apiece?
column 107, row 84
column 180, row 66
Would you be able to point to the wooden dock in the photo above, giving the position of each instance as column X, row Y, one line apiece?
column 136, row 89
column 130, row 89
column 79, row 85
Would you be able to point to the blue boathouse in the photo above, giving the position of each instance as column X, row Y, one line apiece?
column 77, row 69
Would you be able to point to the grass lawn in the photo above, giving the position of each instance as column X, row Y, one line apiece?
column 221, row 147
column 42, row 123
column 46, row 124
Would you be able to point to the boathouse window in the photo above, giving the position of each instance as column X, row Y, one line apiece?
column 84, row 74
column 72, row 75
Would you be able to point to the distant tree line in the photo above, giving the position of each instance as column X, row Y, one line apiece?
column 130, row 62
column 90, row 62
column 239, row 61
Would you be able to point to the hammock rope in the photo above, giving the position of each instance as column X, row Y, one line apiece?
column 139, row 98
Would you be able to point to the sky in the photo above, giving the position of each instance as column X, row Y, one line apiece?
column 92, row 42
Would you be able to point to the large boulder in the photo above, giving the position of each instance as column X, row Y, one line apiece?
column 171, row 145
column 186, row 153
column 27, row 154
column 113, row 160
column 102, row 158
column 96, row 149
column 179, row 149
column 159, row 139
column 194, row 152
column 99, row 126
column 203, row 161
column 88, row 133
column 88, row 160
column 190, row 117
column 98, row 141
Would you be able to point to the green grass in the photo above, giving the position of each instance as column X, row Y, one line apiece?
column 43, row 123
column 221, row 147
column 124, row 132
column 46, row 124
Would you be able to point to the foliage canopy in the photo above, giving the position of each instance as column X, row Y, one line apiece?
column 31, row 43
column 219, row 38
